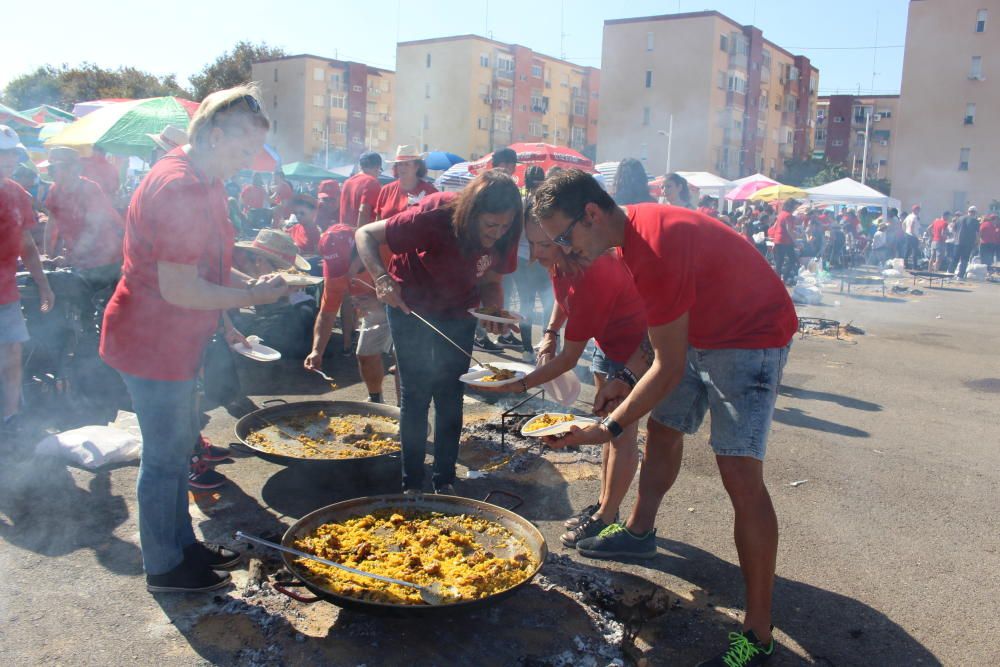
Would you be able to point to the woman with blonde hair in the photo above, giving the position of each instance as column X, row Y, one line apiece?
column 176, row 282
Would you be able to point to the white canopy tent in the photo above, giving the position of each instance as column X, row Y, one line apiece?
column 708, row 184
column 849, row 192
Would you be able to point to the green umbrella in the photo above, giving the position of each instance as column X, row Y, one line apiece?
column 48, row 114
column 10, row 117
column 303, row 171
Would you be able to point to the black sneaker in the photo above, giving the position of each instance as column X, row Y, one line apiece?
column 206, row 479
column 586, row 512
column 589, row 527
column 486, row 345
column 745, row 650
column 509, row 340
column 445, row 490
column 191, row 576
column 215, row 556
column 616, row 541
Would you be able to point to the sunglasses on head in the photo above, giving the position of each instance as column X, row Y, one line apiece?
column 250, row 100
column 566, row 238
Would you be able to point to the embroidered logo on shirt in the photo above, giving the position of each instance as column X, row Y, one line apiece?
column 413, row 200
column 483, row 265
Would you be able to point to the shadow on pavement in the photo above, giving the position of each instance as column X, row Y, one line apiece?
column 796, row 417
column 839, row 399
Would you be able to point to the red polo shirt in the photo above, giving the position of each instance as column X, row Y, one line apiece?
column 437, row 278
column 177, row 215
column 685, row 262
column 937, row 230
column 358, row 189
column 102, row 172
column 87, row 223
column 989, row 232
column 602, row 303
column 16, row 217
column 306, row 237
column 783, row 229
column 393, row 199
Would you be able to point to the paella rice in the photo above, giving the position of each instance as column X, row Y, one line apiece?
column 476, row 556
column 317, row 436
column 546, row 420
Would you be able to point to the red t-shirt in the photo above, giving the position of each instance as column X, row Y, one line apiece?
column 306, row 238
column 252, row 196
column 90, row 228
column 177, row 215
column 602, row 303
column 336, row 245
column 436, row 277
column 937, row 230
column 358, row 189
column 16, row 216
column 283, row 193
column 684, row 262
column 782, row 229
column 989, row 232
column 394, row 199
column 102, row 172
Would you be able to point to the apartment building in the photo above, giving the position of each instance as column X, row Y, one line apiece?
column 947, row 152
column 736, row 102
column 326, row 111
column 842, row 122
column 470, row 95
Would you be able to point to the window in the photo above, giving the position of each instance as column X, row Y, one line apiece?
column 536, row 71
column 505, row 64
column 335, row 81
column 338, row 101
column 722, row 80
column 536, row 102
column 275, row 73
column 385, row 85
column 976, row 71
column 501, row 124
column 357, row 89
column 741, row 45
column 981, row 20
column 524, row 107
column 963, row 159
column 428, row 60
column 274, row 125
column 535, row 128
column 761, row 130
column 724, row 43
column 838, row 142
column 577, row 136
column 885, row 113
column 579, row 108
column 427, row 122
column 649, row 41
column 275, row 105
column 317, row 100
column 503, row 93
column 318, row 74
column 762, row 101
column 970, row 113
column 317, row 127
column 649, row 78
column 484, row 60
column 382, row 135
column 645, row 115
column 737, row 83
column 958, row 200
column 765, row 59
column 371, row 106
column 427, row 91
column 838, row 119
column 483, row 123
column 340, row 127
column 644, row 152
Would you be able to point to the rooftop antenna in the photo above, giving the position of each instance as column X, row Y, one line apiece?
column 754, row 21
column 486, row 27
column 562, row 30
column 874, row 53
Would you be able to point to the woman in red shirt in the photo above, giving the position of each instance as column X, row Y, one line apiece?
column 168, row 304
column 408, row 188
column 784, row 242
column 449, row 254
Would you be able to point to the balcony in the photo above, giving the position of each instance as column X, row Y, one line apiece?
column 504, row 74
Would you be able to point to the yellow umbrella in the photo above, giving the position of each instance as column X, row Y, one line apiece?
column 779, row 192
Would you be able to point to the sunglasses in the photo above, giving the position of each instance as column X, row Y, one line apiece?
column 250, row 100
column 566, row 238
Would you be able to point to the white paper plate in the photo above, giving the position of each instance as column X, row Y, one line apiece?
column 299, row 280
column 513, row 319
column 474, row 377
column 555, row 429
column 256, row 351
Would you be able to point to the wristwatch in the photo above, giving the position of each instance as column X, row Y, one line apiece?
column 614, row 428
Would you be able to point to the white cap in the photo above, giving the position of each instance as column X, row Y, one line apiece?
column 10, row 141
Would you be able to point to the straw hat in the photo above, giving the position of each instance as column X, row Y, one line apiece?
column 170, row 138
column 277, row 247
column 407, row 153
column 63, row 155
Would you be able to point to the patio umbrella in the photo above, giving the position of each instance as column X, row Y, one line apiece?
column 48, row 114
column 545, row 156
column 303, row 171
column 746, row 186
column 779, row 192
column 10, row 117
column 441, row 160
column 124, row 128
column 455, row 178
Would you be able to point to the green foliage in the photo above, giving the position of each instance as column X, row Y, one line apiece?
column 883, row 185
column 231, row 68
column 64, row 86
column 811, row 172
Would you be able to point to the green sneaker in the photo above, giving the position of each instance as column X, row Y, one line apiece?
column 616, row 541
column 745, row 650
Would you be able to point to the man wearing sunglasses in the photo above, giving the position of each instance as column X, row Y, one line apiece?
column 720, row 324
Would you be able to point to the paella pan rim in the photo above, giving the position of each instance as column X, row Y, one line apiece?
column 516, row 524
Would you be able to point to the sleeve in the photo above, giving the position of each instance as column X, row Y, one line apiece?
column 180, row 226
column 100, row 208
column 413, row 229
column 666, row 277
column 376, row 199
column 592, row 302
column 371, row 194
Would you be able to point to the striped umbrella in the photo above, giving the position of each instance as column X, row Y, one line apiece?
column 455, row 177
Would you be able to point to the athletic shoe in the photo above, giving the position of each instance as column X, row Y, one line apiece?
column 509, row 340
column 528, row 357
column 745, row 650
column 616, row 541
column 191, row 576
column 210, row 453
column 486, row 345
column 215, row 556
column 586, row 512
column 413, row 492
column 589, row 527
column 445, row 490
column 206, row 479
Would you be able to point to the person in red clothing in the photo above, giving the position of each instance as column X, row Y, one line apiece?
column 408, row 188
column 720, row 325
column 253, row 195
column 100, row 170
column 305, row 232
column 17, row 217
column 449, row 255
column 283, row 195
column 598, row 302
column 328, row 208
column 176, row 283
column 784, row 242
column 939, row 237
column 360, row 193
column 989, row 239
column 84, row 227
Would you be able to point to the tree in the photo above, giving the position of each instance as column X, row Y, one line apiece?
column 232, row 68
column 811, row 172
column 883, row 185
column 64, row 86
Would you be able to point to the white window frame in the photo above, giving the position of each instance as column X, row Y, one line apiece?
column 579, row 108
column 981, row 20
column 484, row 60
column 976, row 68
column 964, row 156
column 649, row 41
column 317, row 100
column 319, row 74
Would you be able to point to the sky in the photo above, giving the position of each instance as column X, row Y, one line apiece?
column 837, row 37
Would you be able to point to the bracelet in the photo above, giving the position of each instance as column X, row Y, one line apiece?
column 626, row 376
column 524, row 386
column 551, row 331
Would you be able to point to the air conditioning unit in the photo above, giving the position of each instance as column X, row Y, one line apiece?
column 876, row 118
column 884, row 142
column 545, row 135
column 488, row 99
column 969, row 120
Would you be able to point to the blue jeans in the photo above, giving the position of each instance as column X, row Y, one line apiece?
column 169, row 425
column 531, row 281
column 428, row 368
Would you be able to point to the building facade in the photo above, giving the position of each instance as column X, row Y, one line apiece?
column 948, row 149
column 326, row 111
column 842, row 122
column 736, row 102
column 470, row 95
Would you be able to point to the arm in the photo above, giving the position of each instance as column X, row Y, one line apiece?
column 240, row 277
column 29, row 255
column 364, row 214
column 180, row 285
column 322, row 331
column 368, row 239
column 550, row 340
column 561, row 363
column 491, row 294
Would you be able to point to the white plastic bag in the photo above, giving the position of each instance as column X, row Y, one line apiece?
column 892, row 273
column 92, row 446
column 898, row 264
column 564, row 389
column 807, row 294
column 976, row 271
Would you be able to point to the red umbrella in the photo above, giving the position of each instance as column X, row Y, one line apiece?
column 545, row 156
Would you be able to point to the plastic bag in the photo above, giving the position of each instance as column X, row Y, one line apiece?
column 892, row 273
column 92, row 446
column 896, row 264
column 976, row 271
column 808, row 294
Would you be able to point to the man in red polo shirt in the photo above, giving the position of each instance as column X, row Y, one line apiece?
column 328, row 207
column 720, row 325
column 100, row 170
column 939, row 230
column 360, row 192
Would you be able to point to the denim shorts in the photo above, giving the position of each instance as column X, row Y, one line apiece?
column 601, row 364
column 12, row 327
column 739, row 387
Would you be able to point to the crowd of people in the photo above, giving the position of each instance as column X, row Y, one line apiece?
column 685, row 312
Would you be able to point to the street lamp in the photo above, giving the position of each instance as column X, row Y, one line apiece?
column 669, row 134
